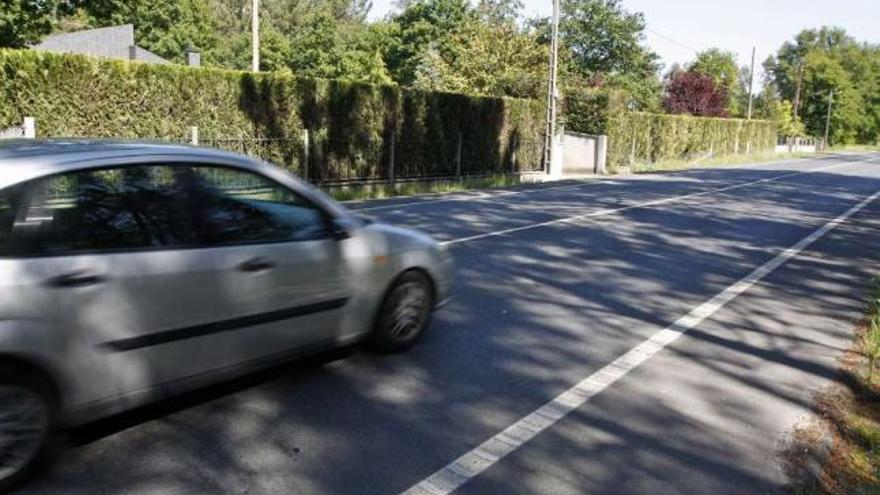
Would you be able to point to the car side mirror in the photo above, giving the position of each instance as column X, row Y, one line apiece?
column 339, row 229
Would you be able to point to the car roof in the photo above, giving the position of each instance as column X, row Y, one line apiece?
column 26, row 159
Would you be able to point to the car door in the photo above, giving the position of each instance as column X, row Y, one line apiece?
column 288, row 273
column 115, row 249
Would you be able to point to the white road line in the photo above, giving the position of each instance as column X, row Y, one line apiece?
column 483, row 195
column 458, row 472
column 647, row 204
column 593, row 182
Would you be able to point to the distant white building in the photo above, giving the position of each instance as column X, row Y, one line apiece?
column 110, row 42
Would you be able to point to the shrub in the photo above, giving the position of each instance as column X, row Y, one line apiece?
column 350, row 124
column 645, row 137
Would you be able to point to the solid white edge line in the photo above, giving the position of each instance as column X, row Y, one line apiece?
column 596, row 181
column 647, row 204
column 471, row 464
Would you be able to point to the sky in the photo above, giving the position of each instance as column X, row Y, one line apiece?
column 677, row 29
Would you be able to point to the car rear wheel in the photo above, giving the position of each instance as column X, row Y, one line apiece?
column 405, row 313
column 26, row 418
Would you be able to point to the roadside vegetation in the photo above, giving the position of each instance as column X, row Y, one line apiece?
column 380, row 191
column 426, row 76
column 840, row 453
column 857, row 147
column 715, row 160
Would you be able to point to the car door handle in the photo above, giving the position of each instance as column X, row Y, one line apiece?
column 80, row 278
column 256, row 265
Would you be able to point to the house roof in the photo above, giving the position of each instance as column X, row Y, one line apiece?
column 111, row 42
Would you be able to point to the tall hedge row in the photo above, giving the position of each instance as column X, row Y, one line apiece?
column 635, row 137
column 591, row 110
column 351, row 125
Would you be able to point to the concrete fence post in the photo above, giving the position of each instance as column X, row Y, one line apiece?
column 458, row 157
column 391, row 151
column 514, row 146
column 305, row 145
column 30, row 127
column 601, row 153
column 632, row 151
column 194, row 135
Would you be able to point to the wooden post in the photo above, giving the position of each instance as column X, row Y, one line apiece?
column 391, row 160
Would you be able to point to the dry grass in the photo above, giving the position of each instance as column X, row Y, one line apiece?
column 708, row 161
column 379, row 191
column 849, row 419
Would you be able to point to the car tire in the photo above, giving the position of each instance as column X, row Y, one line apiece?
column 27, row 418
column 404, row 314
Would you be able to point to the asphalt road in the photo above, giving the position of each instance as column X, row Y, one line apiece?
column 555, row 282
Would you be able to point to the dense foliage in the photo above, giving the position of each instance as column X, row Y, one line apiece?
column 487, row 47
column 721, row 67
column 820, row 61
column 482, row 47
column 351, row 125
column 636, row 137
column 695, row 94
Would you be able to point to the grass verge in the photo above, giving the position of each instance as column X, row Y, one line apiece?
column 857, row 147
column 683, row 164
column 379, row 191
column 840, row 452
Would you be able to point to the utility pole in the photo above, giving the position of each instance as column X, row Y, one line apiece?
column 751, row 83
column 255, row 31
column 828, row 120
column 797, row 91
column 552, row 91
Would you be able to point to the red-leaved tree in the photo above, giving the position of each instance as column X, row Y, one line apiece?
column 695, row 94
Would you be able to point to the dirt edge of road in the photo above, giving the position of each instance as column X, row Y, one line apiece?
column 837, row 451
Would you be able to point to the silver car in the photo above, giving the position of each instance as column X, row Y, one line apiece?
column 130, row 271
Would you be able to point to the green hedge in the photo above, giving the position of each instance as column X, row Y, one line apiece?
column 589, row 110
column 635, row 137
column 351, row 125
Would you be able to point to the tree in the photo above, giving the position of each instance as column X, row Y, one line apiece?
column 828, row 59
column 422, row 27
column 499, row 11
column 602, row 37
column 23, row 22
column 695, row 94
column 601, row 45
column 722, row 68
column 167, row 27
column 487, row 59
column 328, row 39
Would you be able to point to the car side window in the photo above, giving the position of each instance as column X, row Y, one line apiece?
column 121, row 208
column 10, row 203
column 232, row 206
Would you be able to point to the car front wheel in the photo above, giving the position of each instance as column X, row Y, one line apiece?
column 405, row 313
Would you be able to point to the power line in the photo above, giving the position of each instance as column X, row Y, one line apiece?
column 673, row 40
